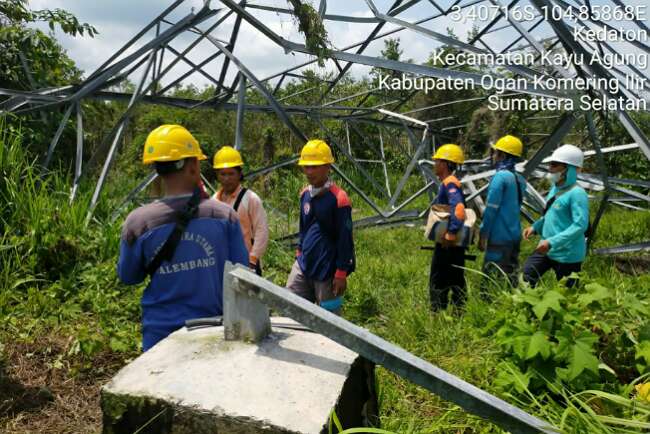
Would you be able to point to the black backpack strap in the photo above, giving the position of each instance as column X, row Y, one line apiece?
column 166, row 252
column 240, row 196
column 549, row 204
column 551, row 201
column 518, row 186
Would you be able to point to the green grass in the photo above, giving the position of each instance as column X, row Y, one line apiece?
column 58, row 276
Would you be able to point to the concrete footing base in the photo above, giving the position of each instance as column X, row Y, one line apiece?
column 196, row 382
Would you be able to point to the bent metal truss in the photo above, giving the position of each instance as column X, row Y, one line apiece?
column 151, row 60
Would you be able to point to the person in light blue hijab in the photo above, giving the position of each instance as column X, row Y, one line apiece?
column 564, row 223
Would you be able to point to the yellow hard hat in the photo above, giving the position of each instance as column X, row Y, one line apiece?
column 510, row 145
column 227, row 157
column 170, row 143
column 450, row 152
column 315, row 153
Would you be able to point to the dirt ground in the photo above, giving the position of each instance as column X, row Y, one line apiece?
column 41, row 391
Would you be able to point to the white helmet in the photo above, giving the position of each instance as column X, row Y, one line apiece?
column 567, row 154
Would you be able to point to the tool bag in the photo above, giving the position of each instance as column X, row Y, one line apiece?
column 438, row 221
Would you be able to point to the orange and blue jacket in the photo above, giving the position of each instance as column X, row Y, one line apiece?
column 451, row 193
column 326, row 247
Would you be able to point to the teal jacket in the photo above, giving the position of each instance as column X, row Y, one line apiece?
column 565, row 223
column 501, row 223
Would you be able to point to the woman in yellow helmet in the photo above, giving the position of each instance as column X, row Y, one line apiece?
column 229, row 166
column 447, row 274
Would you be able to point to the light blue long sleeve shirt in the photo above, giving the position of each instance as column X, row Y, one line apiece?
column 565, row 223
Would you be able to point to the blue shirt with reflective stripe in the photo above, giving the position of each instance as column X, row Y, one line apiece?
column 501, row 221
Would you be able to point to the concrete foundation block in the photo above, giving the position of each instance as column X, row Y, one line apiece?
column 197, row 382
column 245, row 317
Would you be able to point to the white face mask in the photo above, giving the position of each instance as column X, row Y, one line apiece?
column 554, row 177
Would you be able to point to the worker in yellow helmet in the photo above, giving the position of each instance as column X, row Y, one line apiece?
column 325, row 256
column 229, row 166
column 447, row 274
column 181, row 241
column 500, row 232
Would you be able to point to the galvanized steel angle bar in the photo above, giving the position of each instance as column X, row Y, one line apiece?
column 391, row 357
column 603, row 172
column 129, row 198
column 376, row 185
column 57, row 135
column 445, row 39
column 190, row 72
column 563, row 33
column 492, row 23
column 277, row 108
column 364, row 45
column 421, row 146
column 142, row 32
column 137, row 94
column 561, row 130
column 626, row 248
column 99, row 81
column 79, row 152
column 259, row 172
column 372, row 204
column 195, row 67
column 599, row 23
column 239, row 120
column 357, row 44
column 231, row 47
column 429, row 71
column 190, row 48
column 328, row 17
column 640, row 24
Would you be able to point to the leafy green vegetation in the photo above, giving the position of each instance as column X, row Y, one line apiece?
column 578, row 358
column 570, row 356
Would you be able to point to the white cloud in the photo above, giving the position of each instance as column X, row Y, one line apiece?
column 119, row 20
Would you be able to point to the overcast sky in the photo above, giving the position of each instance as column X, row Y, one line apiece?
column 119, row 20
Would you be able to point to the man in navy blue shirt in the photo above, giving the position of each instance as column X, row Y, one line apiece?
column 189, row 285
column 325, row 255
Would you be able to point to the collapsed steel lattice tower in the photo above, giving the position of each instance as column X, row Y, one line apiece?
column 151, row 54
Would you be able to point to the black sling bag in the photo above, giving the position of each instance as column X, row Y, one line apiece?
column 166, row 252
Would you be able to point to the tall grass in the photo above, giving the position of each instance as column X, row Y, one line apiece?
column 58, row 276
column 388, row 294
column 56, row 272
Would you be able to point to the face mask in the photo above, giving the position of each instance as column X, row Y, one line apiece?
column 554, row 177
